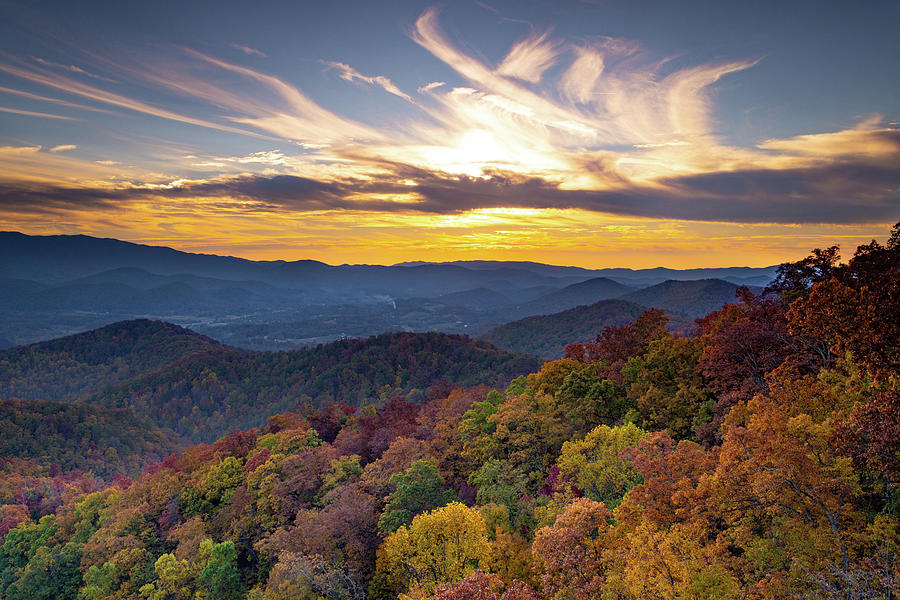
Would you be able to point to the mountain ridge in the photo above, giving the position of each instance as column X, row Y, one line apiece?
column 59, row 285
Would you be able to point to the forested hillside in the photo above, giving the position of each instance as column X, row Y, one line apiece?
column 81, row 436
column 758, row 459
column 690, row 299
column 66, row 368
column 185, row 382
column 548, row 335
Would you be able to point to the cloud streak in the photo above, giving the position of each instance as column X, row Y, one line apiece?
column 33, row 113
column 71, row 69
column 68, row 85
column 32, row 96
column 348, row 73
column 248, row 50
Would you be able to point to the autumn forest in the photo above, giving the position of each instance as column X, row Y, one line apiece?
column 755, row 454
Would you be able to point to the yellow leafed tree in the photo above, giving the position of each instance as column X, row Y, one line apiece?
column 442, row 546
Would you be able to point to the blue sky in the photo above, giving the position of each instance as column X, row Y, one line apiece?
column 595, row 133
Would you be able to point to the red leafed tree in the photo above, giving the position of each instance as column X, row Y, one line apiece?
column 615, row 345
column 571, row 551
column 671, row 476
column 871, row 437
column 344, row 532
column 857, row 308
column 479, row 586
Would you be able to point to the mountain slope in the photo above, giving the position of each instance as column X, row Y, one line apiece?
column 206, row 394
column 578, row 294
column 547, row 336
column 184, row 381
column 688, row 298
column 66, row 257
column 65, row 368
column 80, row 436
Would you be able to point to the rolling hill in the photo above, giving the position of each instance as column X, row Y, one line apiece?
column 66, row 368
column 201, row 389
column 206, row 394
column 686, row 298
column 578, row 294
column 548, row 335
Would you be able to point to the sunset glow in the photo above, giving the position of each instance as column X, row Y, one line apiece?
column 562, row 140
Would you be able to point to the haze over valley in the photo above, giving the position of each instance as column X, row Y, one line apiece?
column 59, row 285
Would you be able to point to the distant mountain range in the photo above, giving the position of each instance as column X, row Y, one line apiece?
column 690, row 299
column 758, row 276
column 51, row 286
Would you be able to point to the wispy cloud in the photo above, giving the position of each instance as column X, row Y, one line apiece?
column 248, row 50
column 71, row 68
column 277, row 108
column 32, row 113
column 487, row 7
column 582, row 77
column 270, row 157
column 348, row 73
column 63, row 148
column 529, row 58
column 868, row 139
column 84, row 90
column 32, row 96
column 430, row 86
column 33, row 165
column 13, row 150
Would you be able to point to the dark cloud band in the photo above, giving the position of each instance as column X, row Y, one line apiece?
column 837, row 193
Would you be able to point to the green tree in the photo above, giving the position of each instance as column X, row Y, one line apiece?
column 668, row 388
column 51, row 573
column 418, row 489
column 100, row 582
column 220, row 577
column 596, row 466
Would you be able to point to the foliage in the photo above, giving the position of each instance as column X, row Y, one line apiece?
column 66, row 368
column 855, row 310
column 439, row 547
column 80, row 436
column 571, row 551
column 596, row 465
column 548, row 489
column 666, row 387
column 418, row 489
column 203, row 396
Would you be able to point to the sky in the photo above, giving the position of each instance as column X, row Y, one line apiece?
column 604, row 133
